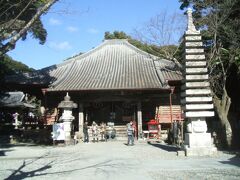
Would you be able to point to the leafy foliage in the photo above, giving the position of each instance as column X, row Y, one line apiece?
column 8, row 66
column 18, row 18
column 149, row 48
column 15, row 14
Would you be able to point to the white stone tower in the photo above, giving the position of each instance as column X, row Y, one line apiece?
column 196, row 94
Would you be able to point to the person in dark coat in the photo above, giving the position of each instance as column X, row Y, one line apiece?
column 85, row 132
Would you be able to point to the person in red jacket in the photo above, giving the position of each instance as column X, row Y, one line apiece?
column 134, row 125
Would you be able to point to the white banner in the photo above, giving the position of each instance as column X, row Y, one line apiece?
column 58, row 132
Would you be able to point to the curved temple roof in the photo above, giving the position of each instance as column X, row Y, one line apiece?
column 115, row 64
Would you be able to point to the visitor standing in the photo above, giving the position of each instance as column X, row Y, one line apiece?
column 85, row 132
column 130, row 133
column 95, row 131
column 103, row 131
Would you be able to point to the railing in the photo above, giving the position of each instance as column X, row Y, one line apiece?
column 164, row 114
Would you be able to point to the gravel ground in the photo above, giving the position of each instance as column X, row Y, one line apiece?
column 113, row 160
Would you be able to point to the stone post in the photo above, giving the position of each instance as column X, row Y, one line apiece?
column 80, row 120
column 139, row 118
column 67, row 105
column 196, row 94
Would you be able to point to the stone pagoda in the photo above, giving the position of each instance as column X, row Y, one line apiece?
column 67, row 105
column 196, row 94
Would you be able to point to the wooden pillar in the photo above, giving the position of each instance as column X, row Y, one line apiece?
column 80, row 120
column 139, row 118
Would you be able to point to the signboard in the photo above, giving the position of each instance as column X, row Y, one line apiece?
column 58, row 132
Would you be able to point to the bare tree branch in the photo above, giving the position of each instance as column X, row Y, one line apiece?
column 163, row 30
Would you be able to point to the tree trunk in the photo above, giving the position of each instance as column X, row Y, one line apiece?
column 11, row 44
column 222, row 108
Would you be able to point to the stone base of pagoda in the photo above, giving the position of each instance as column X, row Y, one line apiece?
column 199, row 144
column 197, row 141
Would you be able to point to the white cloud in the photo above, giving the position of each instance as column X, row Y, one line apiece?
column 65, row 45
column 54, row 22
column 93, row 31
column 72, row 29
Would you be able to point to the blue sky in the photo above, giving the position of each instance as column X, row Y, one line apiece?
column 76, row 26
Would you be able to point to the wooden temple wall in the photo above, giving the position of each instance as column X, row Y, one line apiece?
column 99, row 107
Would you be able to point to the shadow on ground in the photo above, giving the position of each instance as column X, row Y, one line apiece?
column 3, row 152
column 6, row 145
column 232, row 161
column 164, row 147
column 19, row 173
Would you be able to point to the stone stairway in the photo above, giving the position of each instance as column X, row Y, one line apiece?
column 121, row 132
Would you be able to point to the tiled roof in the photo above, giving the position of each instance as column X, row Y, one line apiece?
column 115, row 64
column 14, row 99
column 43, row 76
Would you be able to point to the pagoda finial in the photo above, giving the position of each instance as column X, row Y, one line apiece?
column 191, row 27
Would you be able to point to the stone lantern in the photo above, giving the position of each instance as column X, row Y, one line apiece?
column 67, row 105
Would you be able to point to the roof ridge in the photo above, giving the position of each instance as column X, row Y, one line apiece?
column 105, row 42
